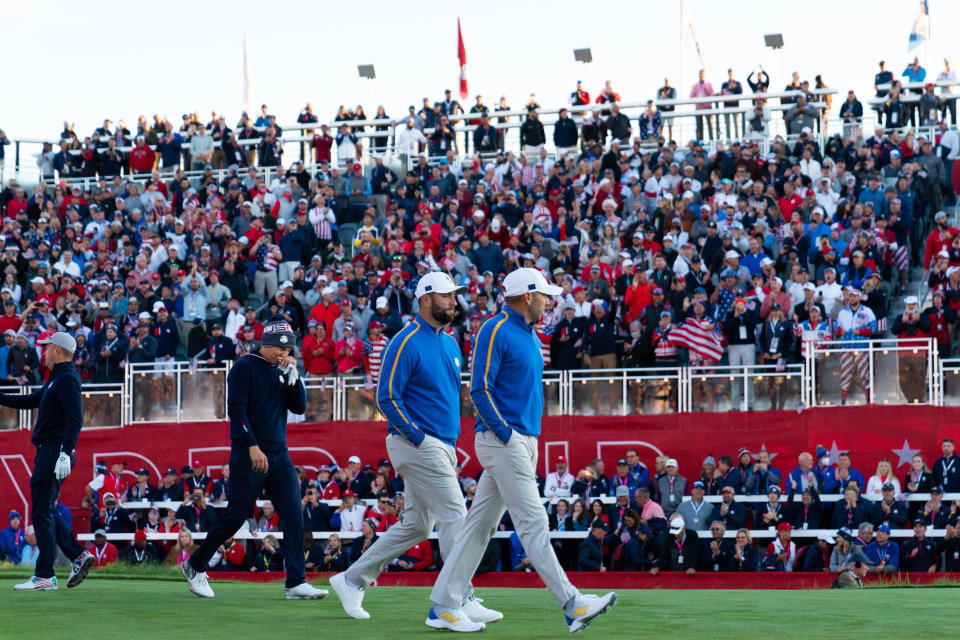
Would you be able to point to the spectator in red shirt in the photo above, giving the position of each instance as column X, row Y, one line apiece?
column 142, row 157
column 104, row 552
column 318, row 350
column 10, row 321
column 327, row 310
column 349, row 352
column 321, row 143
column 419, row 557
column 789, row 201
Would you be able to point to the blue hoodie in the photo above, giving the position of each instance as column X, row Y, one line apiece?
column 12, row 542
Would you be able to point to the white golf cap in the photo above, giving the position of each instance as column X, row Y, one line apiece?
column 672, row 462
column 911, row 300
column 731, row 254
column 826, row 537
column 354, row 459
column 63, row 340
column 809, row 286
column 437, row 282
column 144, row 315
column 158, row 306
column 526, row 280
column 382, row 302
column 677, row 524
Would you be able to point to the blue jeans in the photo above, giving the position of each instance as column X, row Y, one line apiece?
column 283, row 490
column 50, row 527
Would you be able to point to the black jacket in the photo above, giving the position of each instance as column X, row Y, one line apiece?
column 531, row 133
column 195, row 518
column 668, row 557
column 749, row 561
column 59, row 413
column 722, row 560
column 565, row 133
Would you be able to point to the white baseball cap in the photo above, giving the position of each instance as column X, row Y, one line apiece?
column 353, row 459
column 672, row 462
column 526, row 280
column 731, row 254
column 677, row 524
column 382, row 302
column 63, row 340
column 158, row 306
column 437, row 282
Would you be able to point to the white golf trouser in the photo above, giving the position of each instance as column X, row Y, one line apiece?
column 509, row 482
column 431, row 495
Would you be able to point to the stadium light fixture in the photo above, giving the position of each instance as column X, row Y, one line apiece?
column 583, row 55
column 366, row 71
column 773, row 40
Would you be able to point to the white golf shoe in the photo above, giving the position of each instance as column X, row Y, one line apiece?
column 350, row 597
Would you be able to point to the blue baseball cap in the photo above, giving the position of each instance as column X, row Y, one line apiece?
column 884, row 528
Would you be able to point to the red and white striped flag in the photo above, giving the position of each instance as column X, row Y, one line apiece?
column 698, row 338
column 462, row 56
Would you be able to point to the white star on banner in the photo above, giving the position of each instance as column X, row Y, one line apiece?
column 905, row 454
column 834, row 453
column 763, row 447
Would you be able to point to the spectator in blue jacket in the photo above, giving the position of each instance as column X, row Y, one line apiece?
column 836, row 479
column 623, row 478
column 873, row 193
column 637, row 469
column 731, row 513
column 487, row 256
column 590, row 555
column 884, row 554
column 12, row 539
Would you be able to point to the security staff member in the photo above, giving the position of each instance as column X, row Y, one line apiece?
column 419, row 393
column 59, row 420
column 261, row 388
column 506, row 388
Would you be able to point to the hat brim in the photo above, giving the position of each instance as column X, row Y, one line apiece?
column 443, row 290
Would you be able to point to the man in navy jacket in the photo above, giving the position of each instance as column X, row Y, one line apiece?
column 262, row 388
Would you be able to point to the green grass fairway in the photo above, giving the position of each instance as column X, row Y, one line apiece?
column 104, row 608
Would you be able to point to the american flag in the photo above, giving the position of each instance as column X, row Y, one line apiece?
column 698, row 338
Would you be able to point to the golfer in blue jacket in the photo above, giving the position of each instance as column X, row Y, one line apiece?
column 506, row 386
column 261, row 387
column 419, row 393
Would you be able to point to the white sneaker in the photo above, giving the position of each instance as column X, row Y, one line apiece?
column 36, row 583
column 586, row 608
column 479, row 613
column 305, row 591
column 197, row 580
column 350, row 597
column 80, row 569
column 453, row 620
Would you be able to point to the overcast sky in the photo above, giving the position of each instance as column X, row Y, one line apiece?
column 84, row 61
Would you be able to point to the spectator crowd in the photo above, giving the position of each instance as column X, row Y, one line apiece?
column 660, row 519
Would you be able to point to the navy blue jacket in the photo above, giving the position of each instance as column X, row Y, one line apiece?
column 168, row 338
column 258, row 398
column 59, row 413
column 599, row 337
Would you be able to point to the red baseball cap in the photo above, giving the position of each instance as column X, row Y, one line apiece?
column 141, row 534
column 197, row 464
column 784, row 526
column 348, row 492
column 561, row 459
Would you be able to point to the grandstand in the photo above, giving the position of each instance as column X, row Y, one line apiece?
column 799, row 272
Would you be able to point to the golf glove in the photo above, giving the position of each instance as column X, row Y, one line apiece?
column 62, row 469
column 292, row 374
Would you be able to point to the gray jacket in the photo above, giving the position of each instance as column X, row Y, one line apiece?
column 671, row 500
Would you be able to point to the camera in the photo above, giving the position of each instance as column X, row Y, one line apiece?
column 195, row 498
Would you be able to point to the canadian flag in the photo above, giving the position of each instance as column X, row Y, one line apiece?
column 462, row 56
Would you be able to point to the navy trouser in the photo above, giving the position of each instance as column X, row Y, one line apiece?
column 283, row 490
column 48, row 524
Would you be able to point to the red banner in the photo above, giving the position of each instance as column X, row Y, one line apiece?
column 870, row 433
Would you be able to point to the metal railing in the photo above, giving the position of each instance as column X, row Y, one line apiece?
column 881, row 372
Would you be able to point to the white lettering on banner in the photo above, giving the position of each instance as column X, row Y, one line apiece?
column 16, row 484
